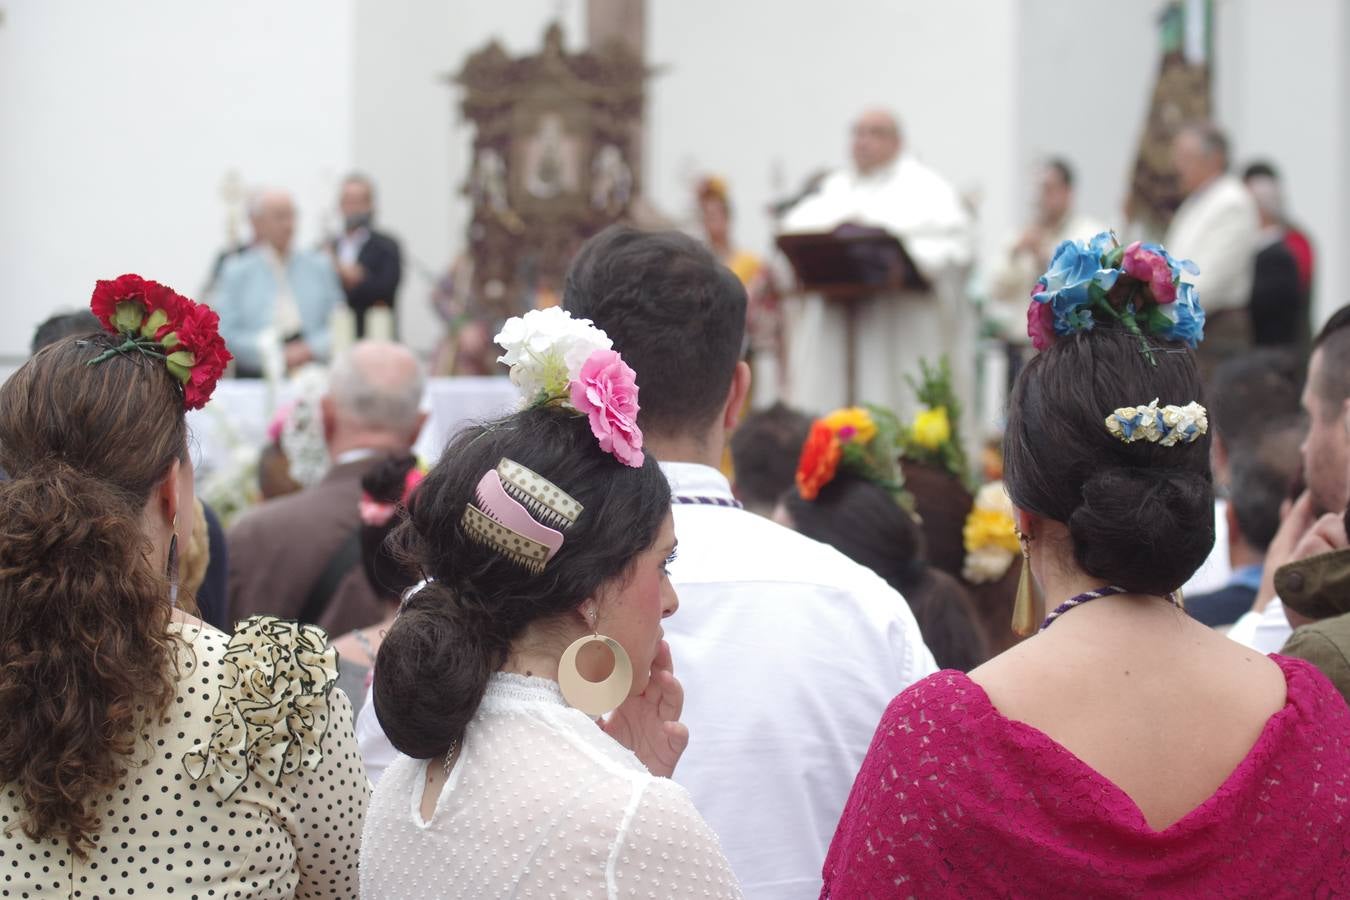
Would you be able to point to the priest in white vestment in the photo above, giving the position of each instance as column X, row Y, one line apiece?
column 888, row 188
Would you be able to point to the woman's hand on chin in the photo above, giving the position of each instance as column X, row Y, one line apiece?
column 649, row 723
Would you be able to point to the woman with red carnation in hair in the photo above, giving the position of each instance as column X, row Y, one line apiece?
column 141, row 750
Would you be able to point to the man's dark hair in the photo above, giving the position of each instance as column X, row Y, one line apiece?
column 1260, row 477
column 675, row 314
column 1260, row 169
column 1061, row 165
column 1249, row 391
column 764, row 452
column 64, row 325
column 1333, row 342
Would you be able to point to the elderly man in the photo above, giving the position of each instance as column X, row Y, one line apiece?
column 275, row 302
column 886, row 187
column 368, row 261
column 299, row 556
column 1217, row 227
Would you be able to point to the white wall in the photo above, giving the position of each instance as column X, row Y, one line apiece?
column 408, row 133
column 1084, row 96
column 1283, row 92
column 763, row 92
column 119, row 120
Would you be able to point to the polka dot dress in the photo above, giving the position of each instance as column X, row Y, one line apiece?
column 290, row 825
column 540, row 804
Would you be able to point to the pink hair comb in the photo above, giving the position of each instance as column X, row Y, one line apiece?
column 502, row 522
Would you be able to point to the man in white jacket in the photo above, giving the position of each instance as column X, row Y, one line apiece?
column 1217, row 226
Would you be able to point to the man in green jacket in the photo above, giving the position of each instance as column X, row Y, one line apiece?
column 1316, row 591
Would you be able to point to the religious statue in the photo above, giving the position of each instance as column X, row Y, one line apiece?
column 553, row 136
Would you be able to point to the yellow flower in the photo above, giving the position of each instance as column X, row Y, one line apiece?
column 852, row 424
column 990, row 528
column 932, row 428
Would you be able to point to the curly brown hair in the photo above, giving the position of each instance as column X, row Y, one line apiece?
column 86, row 659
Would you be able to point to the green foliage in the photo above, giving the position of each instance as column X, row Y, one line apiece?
column 934, row 391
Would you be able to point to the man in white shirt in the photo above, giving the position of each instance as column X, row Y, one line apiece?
column 886, row 187
column 1216, row 226
column 788, row 651
column 1315, row 523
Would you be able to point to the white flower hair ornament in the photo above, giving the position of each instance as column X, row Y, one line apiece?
column 556, row 359
column 1166, row 426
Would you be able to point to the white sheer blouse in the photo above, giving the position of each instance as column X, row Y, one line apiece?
column 540, row 804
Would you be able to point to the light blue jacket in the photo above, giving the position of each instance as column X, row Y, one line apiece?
column 245, row 298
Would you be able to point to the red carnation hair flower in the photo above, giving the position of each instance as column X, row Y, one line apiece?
column 160, row 321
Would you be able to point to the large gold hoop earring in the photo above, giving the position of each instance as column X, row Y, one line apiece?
column 1027, row 612
column 595, row 698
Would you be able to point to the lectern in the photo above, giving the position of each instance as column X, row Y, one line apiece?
column 847, row 265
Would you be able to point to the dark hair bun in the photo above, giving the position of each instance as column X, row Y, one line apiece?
column 1146, row 529
column 448, row 649
column 385, row 480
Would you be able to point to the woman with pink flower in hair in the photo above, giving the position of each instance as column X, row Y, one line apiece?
column 527, row 684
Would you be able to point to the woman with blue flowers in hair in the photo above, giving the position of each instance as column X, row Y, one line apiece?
column 1124, row 750
column 527, row 685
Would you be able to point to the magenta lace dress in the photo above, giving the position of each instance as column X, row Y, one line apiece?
column 954, row 800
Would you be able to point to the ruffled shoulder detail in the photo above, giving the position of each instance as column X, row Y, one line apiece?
column 272, row 712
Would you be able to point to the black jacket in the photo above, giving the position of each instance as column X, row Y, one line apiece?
column 1279, row 309
column 383, row 262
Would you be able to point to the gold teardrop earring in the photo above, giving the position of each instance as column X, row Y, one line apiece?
column 1027, row 611
column 171, row 567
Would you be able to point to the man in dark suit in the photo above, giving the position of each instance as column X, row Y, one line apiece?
column 1279, row 306
column 368, row 262
column 299, row 556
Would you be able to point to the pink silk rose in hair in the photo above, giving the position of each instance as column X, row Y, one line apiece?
column 1040, row 325
column 1151, row 268
column 606, row 391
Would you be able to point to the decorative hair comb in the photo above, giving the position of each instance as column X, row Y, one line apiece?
column 545, row 500
column 1168, row 426
column 503, row 523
